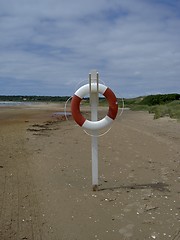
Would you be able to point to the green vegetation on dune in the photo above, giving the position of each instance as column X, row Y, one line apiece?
column 159, row 99
column 171, row 109
column 160, row 105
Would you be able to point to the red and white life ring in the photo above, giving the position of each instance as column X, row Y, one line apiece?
column 94, row 125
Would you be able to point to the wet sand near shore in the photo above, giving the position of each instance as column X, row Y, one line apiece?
column 45, row 177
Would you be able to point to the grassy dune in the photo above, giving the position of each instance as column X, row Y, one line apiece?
column 160, row 105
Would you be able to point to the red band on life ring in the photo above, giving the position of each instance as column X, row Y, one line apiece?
column 113, row 106
column 75, row 109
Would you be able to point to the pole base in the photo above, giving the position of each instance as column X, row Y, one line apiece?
column 95, row 188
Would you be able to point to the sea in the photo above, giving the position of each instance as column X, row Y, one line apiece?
column 11, row 103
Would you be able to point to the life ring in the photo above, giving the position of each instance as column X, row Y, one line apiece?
column 94, row 125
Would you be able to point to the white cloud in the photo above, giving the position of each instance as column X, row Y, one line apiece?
column 134, row 45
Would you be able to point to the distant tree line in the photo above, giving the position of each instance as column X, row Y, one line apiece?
column 148, row 100
column 34, row 98
column 160, row 99
column 40, row 98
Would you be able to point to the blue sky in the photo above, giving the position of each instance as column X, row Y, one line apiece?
column 47, row 47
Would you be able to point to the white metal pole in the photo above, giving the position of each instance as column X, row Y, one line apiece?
column 94, row 99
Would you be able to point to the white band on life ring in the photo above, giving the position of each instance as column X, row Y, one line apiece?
column 94, row 125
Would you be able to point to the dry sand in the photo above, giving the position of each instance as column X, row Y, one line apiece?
column 45, row 178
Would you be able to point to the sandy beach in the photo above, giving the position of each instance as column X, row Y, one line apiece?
column 45, row 177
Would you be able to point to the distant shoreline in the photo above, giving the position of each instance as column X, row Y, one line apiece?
column 13, row 103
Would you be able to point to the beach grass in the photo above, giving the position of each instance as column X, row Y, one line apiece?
column 170, row 109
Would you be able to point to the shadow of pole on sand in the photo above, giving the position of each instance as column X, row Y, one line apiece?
column 163, row 187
